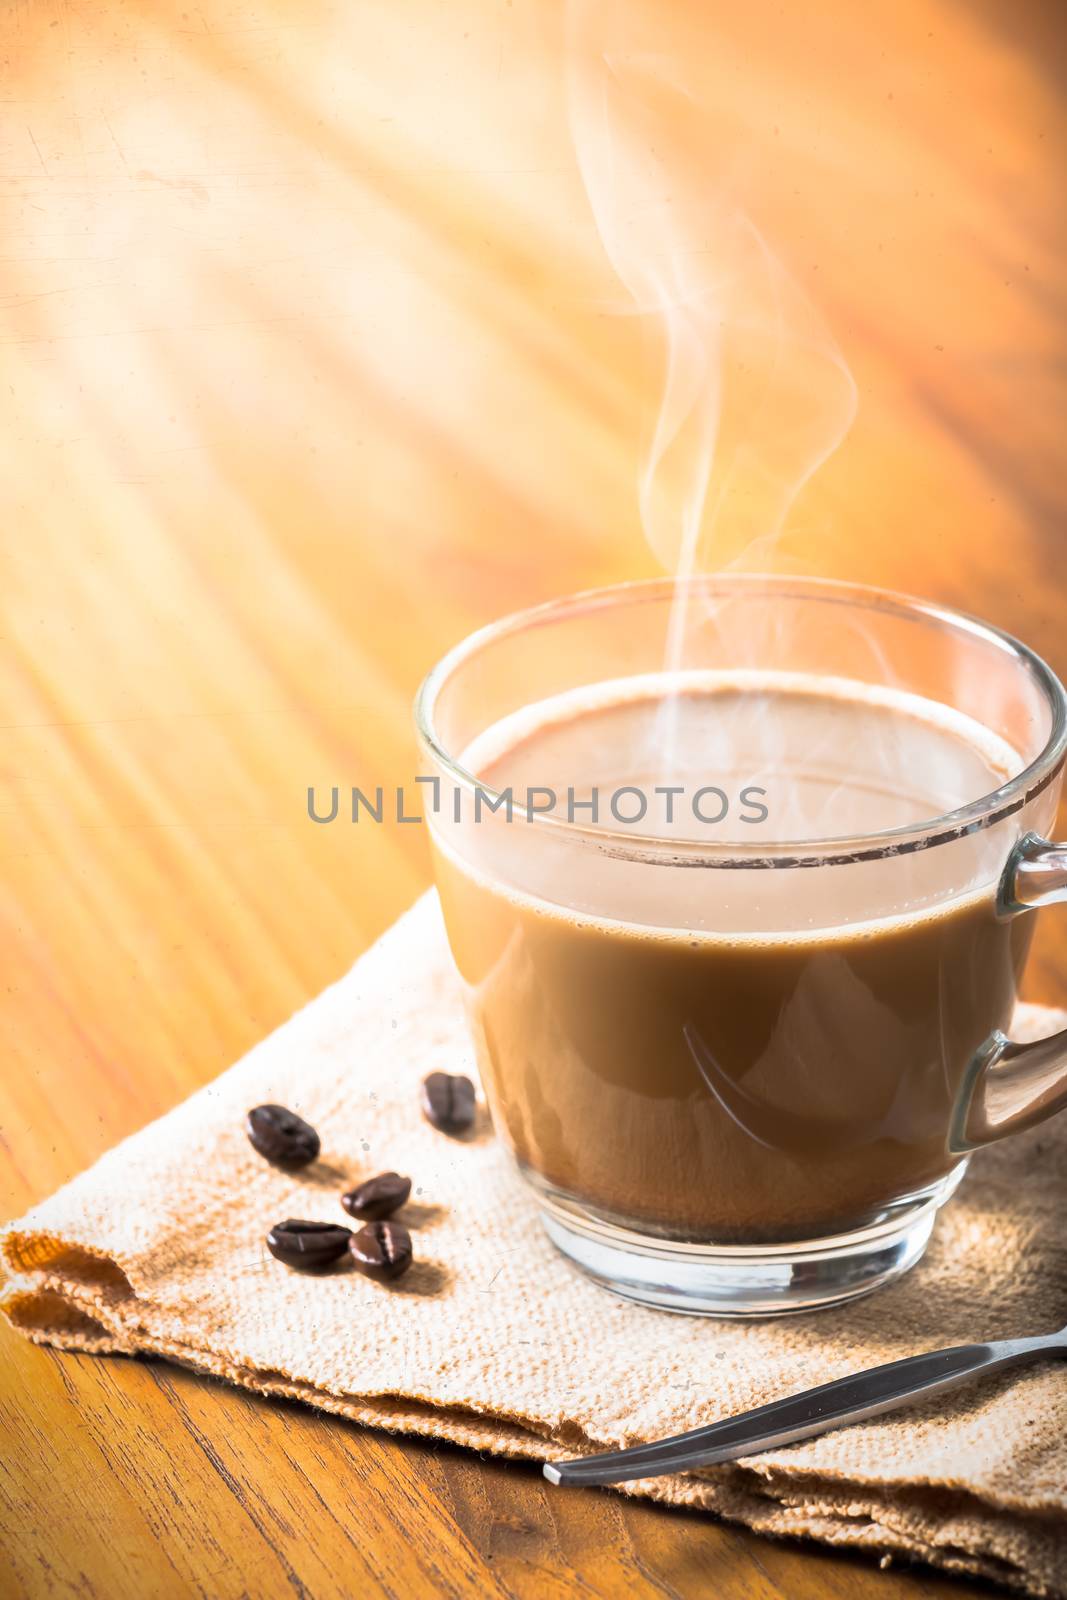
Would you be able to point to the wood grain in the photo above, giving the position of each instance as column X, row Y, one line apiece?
column 306, row 375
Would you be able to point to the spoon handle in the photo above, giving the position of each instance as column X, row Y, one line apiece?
column 800, row 1416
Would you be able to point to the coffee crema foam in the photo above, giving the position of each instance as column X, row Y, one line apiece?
column 830, row 782
column 522, row 749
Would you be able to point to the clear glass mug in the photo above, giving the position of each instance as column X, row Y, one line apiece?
column 742, row 1077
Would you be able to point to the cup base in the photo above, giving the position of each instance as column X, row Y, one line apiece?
column 743, row 1280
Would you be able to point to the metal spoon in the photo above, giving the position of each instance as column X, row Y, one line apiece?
column 800, row 1416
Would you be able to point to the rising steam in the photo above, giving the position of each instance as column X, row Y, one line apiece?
column 755, row 393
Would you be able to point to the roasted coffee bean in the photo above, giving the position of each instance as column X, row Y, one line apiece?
column 308, row 1244
column 448, row 1101
column 381, row 1249
column 378, row 1197
column 281, row 1136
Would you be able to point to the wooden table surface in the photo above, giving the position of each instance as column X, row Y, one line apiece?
column 307, row 372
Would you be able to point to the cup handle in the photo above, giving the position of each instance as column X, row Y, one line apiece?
column 1010, row 1086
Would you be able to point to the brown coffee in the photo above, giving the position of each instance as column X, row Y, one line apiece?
column 719, row 1084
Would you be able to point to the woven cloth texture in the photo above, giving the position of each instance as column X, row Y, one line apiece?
column 495, row 1342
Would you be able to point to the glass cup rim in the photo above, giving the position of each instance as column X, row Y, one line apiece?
column 846, row 849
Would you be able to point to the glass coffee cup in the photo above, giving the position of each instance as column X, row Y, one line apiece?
column 740, row 936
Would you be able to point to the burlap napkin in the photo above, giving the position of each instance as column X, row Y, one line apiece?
column 493, row 1341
